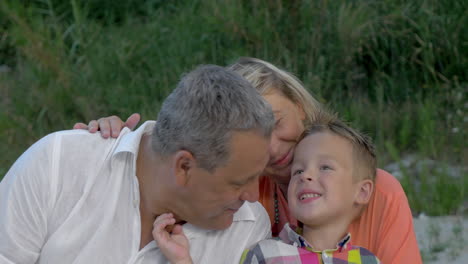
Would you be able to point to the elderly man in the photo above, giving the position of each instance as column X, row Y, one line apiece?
column 74, row 197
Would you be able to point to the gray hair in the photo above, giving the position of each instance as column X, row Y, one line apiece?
column 200, row 115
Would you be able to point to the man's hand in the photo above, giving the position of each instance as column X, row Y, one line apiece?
column 174, row 245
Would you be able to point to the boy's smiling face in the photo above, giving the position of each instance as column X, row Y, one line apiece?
column 322, row 189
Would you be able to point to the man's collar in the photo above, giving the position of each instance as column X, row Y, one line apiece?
column 130, row 140
column 293, row 235
column 245, row 213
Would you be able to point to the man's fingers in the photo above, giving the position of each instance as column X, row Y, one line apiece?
column 132, row 121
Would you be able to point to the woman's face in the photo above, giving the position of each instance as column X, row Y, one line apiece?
column 289, row 126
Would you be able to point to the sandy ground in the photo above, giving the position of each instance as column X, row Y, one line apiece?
column 442, row 239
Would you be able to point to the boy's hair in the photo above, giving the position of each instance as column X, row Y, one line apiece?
column 363, row 149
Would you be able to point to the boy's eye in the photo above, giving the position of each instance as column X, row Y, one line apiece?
column 297, row 172
column 325, row 167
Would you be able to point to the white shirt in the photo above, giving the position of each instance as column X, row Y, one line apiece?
column 73, row 197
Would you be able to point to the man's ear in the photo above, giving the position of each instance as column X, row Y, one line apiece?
column 183, row 164
column 364, row 192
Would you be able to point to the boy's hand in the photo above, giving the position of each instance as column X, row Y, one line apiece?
column 174, row 245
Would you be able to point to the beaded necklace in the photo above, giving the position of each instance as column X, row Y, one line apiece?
column 276, row 209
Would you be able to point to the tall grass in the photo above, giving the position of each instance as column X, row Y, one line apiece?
column 395, row 69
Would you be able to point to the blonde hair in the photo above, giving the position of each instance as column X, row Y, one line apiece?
column 266, row 78
column 363, row 150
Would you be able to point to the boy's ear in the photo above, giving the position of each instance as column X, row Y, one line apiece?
column 364, row 192
column 183, row 164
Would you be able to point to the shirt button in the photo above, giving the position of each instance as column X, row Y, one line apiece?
column 135, row 203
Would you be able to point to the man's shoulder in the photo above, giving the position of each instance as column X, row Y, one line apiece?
column 82, row 138
column 80, row 145
column 64, row 158
column 55, row 147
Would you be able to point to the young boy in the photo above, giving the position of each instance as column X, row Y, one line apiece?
column 332, row 179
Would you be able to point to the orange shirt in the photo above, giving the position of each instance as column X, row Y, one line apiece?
column 385, row 227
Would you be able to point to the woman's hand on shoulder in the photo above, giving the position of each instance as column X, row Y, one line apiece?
column 109, row 126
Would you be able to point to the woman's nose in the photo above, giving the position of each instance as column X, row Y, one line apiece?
column 275, row 143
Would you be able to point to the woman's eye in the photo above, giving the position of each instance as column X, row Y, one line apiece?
column 277, row 122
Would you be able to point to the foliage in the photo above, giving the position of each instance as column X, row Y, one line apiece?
column 395, row 69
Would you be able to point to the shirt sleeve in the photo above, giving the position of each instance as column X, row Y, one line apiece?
column 386, row 226
column 400, row 231
column 25, row 200
column 398, row 242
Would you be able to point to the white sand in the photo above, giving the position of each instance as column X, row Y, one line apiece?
column 442, row 239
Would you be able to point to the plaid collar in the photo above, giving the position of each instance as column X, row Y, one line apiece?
column 292, row 235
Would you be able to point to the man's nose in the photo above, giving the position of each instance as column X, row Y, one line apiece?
column 250, row 193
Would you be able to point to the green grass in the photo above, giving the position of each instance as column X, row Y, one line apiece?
column 395, row 69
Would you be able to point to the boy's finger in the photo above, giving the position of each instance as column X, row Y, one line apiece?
column 177, row 230
column 160, row 227
column 162, row 218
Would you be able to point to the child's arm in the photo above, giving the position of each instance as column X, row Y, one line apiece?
column 174, row 245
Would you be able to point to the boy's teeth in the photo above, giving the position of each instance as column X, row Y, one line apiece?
column 309, row 195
